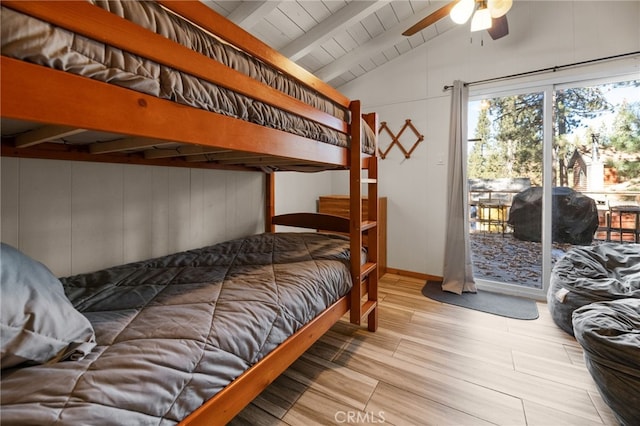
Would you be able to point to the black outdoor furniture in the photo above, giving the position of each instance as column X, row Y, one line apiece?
column 574, row 216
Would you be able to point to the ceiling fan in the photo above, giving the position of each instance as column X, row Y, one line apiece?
column 487, row 15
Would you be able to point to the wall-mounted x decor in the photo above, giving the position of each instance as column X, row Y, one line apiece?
column 396, row 139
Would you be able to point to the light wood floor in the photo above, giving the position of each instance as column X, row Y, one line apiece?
column 435, row 364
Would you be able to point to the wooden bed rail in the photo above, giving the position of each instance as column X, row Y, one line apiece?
column 226, row 404
column 201, row 15
column 319, row 221
column 36, row 93
column 101, row 25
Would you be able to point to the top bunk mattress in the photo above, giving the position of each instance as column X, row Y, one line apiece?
column 173, row 331
column 30, row 39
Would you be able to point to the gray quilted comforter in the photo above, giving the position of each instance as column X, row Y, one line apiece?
column 173, row 331
column 32, row 40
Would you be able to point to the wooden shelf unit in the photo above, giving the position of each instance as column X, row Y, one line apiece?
column 339, row 205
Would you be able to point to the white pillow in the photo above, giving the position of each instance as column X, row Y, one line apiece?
column 38, row 323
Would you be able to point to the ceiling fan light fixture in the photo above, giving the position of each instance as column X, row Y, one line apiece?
column 481, row 19
column 462, row 11
column 499, row 8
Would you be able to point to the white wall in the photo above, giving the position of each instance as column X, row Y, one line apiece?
column 78, row 217
column 299, row 192
column 542, row 34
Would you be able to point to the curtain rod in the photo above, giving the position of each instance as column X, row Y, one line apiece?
column 549, row 69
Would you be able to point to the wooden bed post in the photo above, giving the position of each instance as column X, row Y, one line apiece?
column 270, row 202
column 364, row 294
column 373, row 233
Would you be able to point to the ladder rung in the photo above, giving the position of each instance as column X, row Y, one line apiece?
column 367, row 268
column 368, row 224
column 368, row 180
column 368, row 306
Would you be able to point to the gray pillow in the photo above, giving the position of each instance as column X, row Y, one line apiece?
column 38, row 324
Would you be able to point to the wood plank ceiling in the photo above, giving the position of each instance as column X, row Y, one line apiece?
column 337, row 40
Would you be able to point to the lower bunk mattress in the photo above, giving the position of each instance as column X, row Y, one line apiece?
column 173, row 331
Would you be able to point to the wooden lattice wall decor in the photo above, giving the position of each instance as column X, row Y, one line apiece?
column 396, row 139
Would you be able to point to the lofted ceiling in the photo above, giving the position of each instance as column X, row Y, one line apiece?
column 337, row 40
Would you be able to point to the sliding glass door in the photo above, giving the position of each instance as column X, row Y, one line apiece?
column 550, row 168
column 598, row 159
column 505, row 192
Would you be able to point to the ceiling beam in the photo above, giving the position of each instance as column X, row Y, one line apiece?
column 371, row 48
column 347, row 16
column 249, row 13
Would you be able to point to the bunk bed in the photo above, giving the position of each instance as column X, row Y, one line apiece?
column 172, row 83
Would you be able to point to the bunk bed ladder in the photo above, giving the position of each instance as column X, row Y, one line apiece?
column 364, row 295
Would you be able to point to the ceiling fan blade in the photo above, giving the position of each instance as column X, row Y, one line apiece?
column 499, row 27
column 430, row 19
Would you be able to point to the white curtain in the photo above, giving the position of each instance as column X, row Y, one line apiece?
column 458, row 273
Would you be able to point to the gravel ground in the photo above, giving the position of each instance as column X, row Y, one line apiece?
column 507, row 259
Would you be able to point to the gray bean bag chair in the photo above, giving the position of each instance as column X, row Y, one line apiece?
column 609, row 333
column 589, row 274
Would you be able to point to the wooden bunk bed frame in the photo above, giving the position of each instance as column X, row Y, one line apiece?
column 65, row 104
